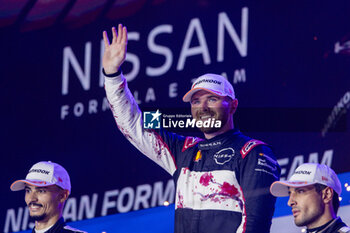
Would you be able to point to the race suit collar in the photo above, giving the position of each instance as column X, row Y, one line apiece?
column 320, row 228
column 216, row 141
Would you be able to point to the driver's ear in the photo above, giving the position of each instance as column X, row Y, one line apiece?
column 233, row 106
column 327, row 195
column 63, row 195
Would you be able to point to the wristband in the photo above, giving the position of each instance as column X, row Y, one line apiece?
column 112, row 75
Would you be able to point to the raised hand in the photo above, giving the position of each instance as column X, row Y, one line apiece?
column 115, row 52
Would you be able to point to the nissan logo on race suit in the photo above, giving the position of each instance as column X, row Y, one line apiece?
column 223, row 156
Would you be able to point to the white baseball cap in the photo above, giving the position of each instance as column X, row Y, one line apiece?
column 307, row 174
column 44, row 174
column 213, row 83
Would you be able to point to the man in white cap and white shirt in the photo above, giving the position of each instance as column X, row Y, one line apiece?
column 222, row 181
column 313, row 191
column 47, row 187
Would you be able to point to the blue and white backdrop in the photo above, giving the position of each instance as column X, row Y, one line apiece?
column 289, row 64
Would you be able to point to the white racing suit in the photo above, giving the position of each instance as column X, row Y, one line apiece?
column 222, row 184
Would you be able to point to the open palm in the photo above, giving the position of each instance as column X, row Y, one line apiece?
column 115, row 52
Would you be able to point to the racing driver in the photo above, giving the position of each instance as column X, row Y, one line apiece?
column 222, row 181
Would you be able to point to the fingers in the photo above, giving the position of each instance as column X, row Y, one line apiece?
column 125, row 35
column 115, row 36
column 120, row 37
column 120, row 33
column 105, row 39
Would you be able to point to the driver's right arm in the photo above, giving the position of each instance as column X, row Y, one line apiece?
column 153, row 144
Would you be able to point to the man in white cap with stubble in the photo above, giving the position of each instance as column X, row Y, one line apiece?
column 313, row 191
column 47, row 187
column 222, row 181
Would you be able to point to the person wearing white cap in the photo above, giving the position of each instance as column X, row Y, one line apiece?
column 47, row 187
column 313, row 191
column 223, row 180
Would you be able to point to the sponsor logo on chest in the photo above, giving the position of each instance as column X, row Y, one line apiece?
column 209, row 145
column 223, row 156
